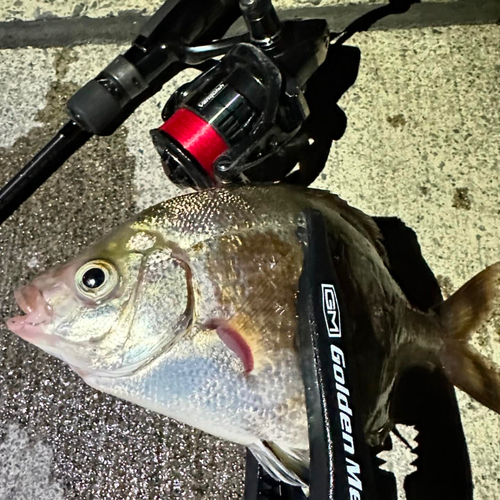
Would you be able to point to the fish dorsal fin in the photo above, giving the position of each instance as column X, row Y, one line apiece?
column 281, row 466
column 460, row 316
column 363, row 223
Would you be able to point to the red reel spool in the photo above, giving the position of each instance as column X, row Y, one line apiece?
column 198, row 137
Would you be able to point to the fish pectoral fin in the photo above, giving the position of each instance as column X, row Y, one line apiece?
column 461, row 315
column 234, row 341
column 287, row 467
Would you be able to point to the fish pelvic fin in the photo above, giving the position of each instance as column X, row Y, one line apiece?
column 287, row 466
column 473, row 305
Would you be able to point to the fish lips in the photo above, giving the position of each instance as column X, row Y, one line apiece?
column 38, row 313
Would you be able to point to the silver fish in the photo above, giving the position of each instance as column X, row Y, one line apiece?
column 189, row 310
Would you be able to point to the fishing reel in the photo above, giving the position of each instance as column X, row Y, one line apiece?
column 237, row 120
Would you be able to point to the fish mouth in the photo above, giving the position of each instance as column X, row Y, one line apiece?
column 38, row 313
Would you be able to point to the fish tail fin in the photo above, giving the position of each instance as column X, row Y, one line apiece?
column 477, row 302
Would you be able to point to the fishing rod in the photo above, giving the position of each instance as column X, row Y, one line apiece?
column 104, row 103
column 264, row 109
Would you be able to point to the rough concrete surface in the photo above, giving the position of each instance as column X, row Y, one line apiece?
column 43, row 9
column 422, row 144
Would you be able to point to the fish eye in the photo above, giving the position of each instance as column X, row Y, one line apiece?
column 96, row 279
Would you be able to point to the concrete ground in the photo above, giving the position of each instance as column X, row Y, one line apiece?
column 422, row 143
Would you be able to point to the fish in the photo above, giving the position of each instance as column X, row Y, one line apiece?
column 189, row 310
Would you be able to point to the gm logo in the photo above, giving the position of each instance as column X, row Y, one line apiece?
column 331, row 310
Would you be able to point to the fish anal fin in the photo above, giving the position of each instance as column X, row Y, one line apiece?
column 274, row 465
column 294, row 460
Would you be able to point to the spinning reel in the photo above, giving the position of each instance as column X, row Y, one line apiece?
column 237, row 120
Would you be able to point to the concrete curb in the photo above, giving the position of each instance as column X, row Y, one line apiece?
column 62, row 32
